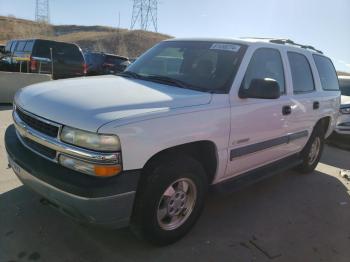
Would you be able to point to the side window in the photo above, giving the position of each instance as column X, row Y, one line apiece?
column 29, row 46
column 8, row 46
column 265, row 63
column 13, row 46
column 303, row 80
column 20, row 46
column 326, row 71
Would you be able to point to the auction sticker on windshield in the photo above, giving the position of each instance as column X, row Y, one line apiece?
column 226, row 47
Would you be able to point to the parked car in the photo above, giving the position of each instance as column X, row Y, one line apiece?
column 5, row 60
column 34, row 56
column 343, row 124
column 143, row 148
column 105, row 64
column 2, row 50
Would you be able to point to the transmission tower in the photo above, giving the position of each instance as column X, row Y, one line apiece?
column 42, row 11
column 144, row 12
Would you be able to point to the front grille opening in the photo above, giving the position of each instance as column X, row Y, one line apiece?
column 40, row 149
column 38, row 125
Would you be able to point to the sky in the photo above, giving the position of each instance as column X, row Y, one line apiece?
column 324, row 24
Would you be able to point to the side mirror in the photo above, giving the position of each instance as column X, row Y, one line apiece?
column 263, row 88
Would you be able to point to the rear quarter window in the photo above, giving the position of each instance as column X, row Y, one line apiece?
column 302, row 78
column 70, row 52
column 327, row 73
column 42, row 49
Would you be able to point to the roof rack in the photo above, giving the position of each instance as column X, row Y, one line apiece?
column 283, row 41
column 290, row 42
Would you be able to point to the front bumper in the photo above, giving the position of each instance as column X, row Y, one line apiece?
column 101, row 201
column 343, row 124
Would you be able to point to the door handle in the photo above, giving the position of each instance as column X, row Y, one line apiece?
column 286, row 110
column 316, row 105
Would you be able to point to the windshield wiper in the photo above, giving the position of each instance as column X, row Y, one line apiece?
column 171, row 81
column 130, row 74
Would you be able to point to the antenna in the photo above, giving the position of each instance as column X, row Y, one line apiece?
column 145, row 13
column 42, row 11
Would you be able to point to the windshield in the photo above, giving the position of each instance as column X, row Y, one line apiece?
column 344, row 87
column 204, row 66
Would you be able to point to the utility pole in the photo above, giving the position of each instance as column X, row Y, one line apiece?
column 145, row 12
column 42, row 11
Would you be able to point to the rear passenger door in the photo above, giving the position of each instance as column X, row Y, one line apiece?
column 304, row 103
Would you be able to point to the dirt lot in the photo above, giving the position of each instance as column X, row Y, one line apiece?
column 289, row 217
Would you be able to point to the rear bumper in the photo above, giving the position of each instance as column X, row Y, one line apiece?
column 105, row 202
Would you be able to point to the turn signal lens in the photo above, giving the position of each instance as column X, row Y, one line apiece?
column 105, row 171
column 90, row 168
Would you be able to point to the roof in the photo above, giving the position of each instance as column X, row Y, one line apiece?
column 41, row 39
column 254, row 41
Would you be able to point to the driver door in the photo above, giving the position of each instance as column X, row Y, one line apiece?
column 258, row 126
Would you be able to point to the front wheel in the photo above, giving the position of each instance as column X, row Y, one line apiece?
column 312, row 151
column 170, row 200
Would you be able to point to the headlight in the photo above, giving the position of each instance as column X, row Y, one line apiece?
column 89, row 140
column 345, row 110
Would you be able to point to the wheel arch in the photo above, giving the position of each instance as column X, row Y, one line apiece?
column 326, row 124
column 203, row 151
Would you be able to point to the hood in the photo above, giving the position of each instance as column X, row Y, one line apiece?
column 345, row 100
column 90, row 102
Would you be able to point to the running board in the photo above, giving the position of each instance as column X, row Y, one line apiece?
column 251, row 177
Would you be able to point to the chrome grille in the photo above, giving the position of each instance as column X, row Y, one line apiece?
column 40, row 149
column 37, row 124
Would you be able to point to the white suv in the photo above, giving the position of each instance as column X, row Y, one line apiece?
column 143, row 148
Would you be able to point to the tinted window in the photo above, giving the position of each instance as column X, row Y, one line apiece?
column 326, row 71
column 42, row 49
column 344, row 84
column 29, row 46
column 301, row 73
column 265, row 63
column 69, row 52
column 13, row 46
column 8, row 46
column 20, row 45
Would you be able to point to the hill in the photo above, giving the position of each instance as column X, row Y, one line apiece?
column 125, row 42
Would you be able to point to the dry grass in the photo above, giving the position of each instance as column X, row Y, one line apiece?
column 98, row 38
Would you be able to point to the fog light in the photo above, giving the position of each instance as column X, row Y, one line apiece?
column 89, row 168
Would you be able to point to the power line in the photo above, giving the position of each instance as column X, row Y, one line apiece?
column 144, row 12
column 42, row 11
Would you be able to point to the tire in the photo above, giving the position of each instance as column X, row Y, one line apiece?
column 312, row 151
column 175, row 187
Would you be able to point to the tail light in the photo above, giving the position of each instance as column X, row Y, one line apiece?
column 85, row 67
column 33, row 64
